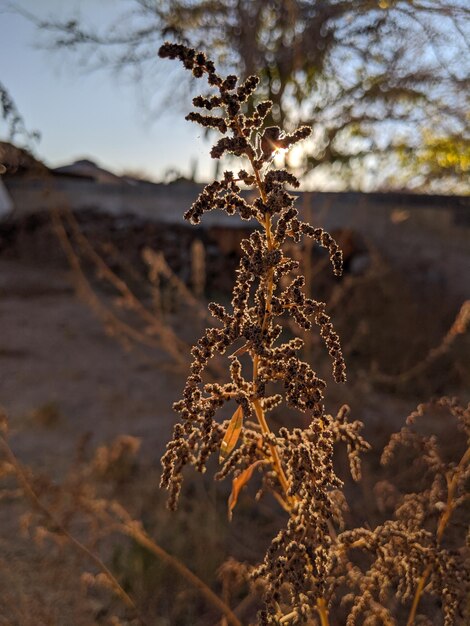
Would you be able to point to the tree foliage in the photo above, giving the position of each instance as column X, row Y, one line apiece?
column 371, row 76
column 12, row 119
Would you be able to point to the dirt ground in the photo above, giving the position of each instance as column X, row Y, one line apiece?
column 56, row 357
column 62, row 377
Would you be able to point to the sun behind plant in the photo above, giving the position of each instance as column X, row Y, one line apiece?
column 297, row 465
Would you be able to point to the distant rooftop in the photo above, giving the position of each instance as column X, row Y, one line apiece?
column 85, row 168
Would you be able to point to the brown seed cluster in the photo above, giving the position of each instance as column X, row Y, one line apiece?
column 298, row 464
column 410, row 549
column 298, row 563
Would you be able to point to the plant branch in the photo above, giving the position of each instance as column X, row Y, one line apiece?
column 136, row 532
column 444, row 520
column 35, row 500
column 128, row 527
column 266, row 223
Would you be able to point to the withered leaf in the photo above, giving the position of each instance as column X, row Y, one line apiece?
column 231, row 436
column 240, row 351
column 237, row 485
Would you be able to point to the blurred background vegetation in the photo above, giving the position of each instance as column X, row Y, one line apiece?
column 384, row 83
column 385, row 86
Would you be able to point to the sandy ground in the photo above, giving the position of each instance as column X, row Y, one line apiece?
column 55, row 353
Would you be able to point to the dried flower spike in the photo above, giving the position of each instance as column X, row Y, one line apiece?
column 297, row 465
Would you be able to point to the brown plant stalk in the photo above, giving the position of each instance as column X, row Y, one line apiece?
column 266, row 224
column 443, row 522
column 166, row 336
column 262, row 266
column 39, row 506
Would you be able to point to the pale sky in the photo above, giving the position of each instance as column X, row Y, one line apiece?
column 90, row 115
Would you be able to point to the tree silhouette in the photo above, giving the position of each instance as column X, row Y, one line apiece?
column 382, row 82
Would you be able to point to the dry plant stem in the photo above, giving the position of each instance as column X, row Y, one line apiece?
column 136, row 532
column 130, row 529
column 274, row 452
column 166, row 334
column 322, row 612
column 31, row 494
column 321, row 604
column 459, row 327
column 159, row 263
column 83, row 287
column 157, row 335
column 269, row 293
column 444, row 520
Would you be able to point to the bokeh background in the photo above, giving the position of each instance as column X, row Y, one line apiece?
column 104, row 287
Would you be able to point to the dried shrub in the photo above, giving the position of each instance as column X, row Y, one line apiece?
column 300, row 569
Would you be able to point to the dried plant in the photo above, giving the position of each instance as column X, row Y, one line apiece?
column 297, row 465
column 77, row 513
column 147, row 329
column 459, row 327
column 306, row 560
column 198, row 267
column 410, row 554
column 160, row 270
